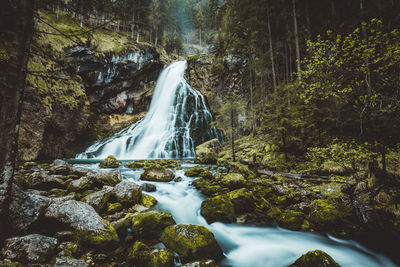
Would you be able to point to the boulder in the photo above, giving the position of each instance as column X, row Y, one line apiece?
column 150, row 223
column 242, row 200
column 109, row 162
column 290, row 219
column 82, row 184
column 60, row 167
column 142, row 255
column 158, row 174
column 89, row 227
column 135, row 165
column 148, row 201
column 191, row 242
column 68, row 262
column 233, row 180
column 31, row 248
column 207, row 153
column 98, row 200
column 194, row 172
column 81, row 171
column 128, row 192
column 110, row 178
column 218, row 209
column 149, row 187
column 26, row 209
column 324, row 213
column 201, row 263
column 44, row 181
column 316, row 258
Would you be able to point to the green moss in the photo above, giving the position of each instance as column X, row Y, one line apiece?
column 162, row 258
column 194, row 172
column 101, row 239
column 148, row 201
column 233, row 180
column 139, row 253
column 109, row 162
column 10, row 264
column 135, row 165
column 219, row 208
column 150, row 223
column 242, row 200
column 324, row 213
column 315, row 258
column 71, row 250
column 114, row 207
column 290, row 219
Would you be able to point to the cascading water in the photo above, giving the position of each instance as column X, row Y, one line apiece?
column 178, row 119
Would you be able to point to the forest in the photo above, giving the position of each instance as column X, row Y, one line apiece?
column 268, row 118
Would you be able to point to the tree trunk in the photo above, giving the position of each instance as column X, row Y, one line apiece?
column 296, row 37
column 271, row 54
column 16, row 38
column 233, row 135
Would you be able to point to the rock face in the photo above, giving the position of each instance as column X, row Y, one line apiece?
column 83, row 219
column 31, row 248
column 157, row 173
column 316, row 258
column 207, row 153
column 26, row 209
column 191, row 242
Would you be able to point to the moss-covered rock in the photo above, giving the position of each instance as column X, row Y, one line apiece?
column 157, row 173
column 114, row 207
column 194, row 172
column 201, row 263
column 242, row 200
column 290, row 219
column 218, row 209
column 207, row 153
column 192, row 242
column 128, row 192
column 135, row 164
column 148, row 201
column 99, row 199
column 233, row 180
column 109, row 162
column 316, row 258
column 142, row 255
column 208, row 188
column 110, row 178
column 324, row 213
column 150, row 223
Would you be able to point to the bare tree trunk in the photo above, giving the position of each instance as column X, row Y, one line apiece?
column 233, row 135
column 296, row 36
column 18, row 15
column 271, row 54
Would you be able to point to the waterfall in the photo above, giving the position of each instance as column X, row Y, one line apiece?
column 178, row 119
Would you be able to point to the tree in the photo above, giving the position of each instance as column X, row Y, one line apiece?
column 200, row 20
column 16, row 31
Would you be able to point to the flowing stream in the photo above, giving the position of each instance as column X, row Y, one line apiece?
column 178, row 119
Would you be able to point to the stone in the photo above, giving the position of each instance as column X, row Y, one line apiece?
column 106, row 177
column 89, row 227
column 207, row 153
column 82, row 184
column 218, row 209
column 109, row 162
column 149, row 187
column 242, row 200
column 233, row 180
column 135, row 165
column 194, row 172
column 141, row 255
column 30, row 248
column 26, row 209
column 150, row 223
column 201, row 263
column 148, row 201
column 68, row 262
column 43, row 181
column 191, row 242
column 290, row 219
column 60, row 167
column 81, row 171
column 98, row 200
column 316, row 258
column 157, row 173
column 128, row 192
column 114, row 207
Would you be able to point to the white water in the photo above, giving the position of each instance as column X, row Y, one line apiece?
column 178, row 119
column 248, row 246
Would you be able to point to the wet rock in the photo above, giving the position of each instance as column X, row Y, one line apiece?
column 325, row 214
column 44, row 181
column 157, row 173
column 128, row 192
column 81, row 171
column 316, row 258
column 218, row 209
column 233, row 180
column 68, row 262
column 207, row 153
column 150, row 223
column 149, row 187
column 110, row 178
column 99, row 199
column 242, row 200
column 60, row 167
column 82, row 184
column 31, row 248
column 194, row 172
column 26, row 209
column 114, row 207
column 109, row 162
column 142, row 255
column 135, row 165
column 201, row 263
column 191, row 242
column 148, row 201
column 290, row 219
column 89, row 227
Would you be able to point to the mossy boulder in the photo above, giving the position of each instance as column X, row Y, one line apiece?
column 290, row 219
column 207, row 153
column 218, row 209
column 128, row 192
column 110, row 178
column 316, row 258
column 82, row 184
column 192, row 242
column 157, row 173
column 201, row 263
column 109, row 162
column 324, row 213
column 148, row 201
column 114, row 207
column 242, row 200
column 98, row 200
column 150, row 223
column 135, row 164
column 194, row 172
column 233, row 180
column 142, row 255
